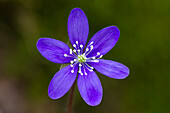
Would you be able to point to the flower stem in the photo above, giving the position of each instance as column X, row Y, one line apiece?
column 70, row 101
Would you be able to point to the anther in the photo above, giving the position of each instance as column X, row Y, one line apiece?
column 72, row 71
column 78, row 50
column 75, row 59
column 65, row 55
column 98, row 53
column 71, row 62
column 80, row 65
column 91, row 42
column 81, row 46
column 88, row 67
column 91, row 46
column 101, row 56
column 74, row 45
column 96, row 61
column 74, row 50
column 87, row 49
column 71, row 51
column 92, row 67
column 90, row 70
column 76, row 42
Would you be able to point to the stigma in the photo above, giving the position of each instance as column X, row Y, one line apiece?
column 81, row 58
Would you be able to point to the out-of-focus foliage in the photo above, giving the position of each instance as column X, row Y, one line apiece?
column 143, row 46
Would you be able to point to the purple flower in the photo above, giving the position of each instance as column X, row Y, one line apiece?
column 83, row 59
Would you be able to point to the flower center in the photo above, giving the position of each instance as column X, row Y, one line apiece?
column 81, row 58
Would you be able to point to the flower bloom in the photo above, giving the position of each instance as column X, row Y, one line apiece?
column 83, row 59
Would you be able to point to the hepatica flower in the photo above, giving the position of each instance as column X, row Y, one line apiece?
column 83, row 59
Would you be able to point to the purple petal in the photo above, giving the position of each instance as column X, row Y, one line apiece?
column 61, row 82
column 78, row 27
column 111, row 69
column 53, row 50
column 104, row 40
column 90, row 88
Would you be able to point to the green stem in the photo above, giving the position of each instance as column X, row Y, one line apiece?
column 70, row 101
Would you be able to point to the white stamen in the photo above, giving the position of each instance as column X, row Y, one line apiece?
column 87, row 66
column 65, row 55
column 94, row 57
column 74, row 50
column 87, row 49
column 80, row 65
column 76, row 42
column 78, row 51
column 80, row 70
column 74, row 45
column 95, row 61
column 75, row 60
column 81, row 46
column 101, row 56
column 71, row 62
column 71, row 51
column 84, row 69
column 91, row 42
column 91, row 46
column 72, row 71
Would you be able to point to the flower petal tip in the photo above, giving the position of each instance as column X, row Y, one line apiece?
column 95, row 103
column 116, row 30
column 52, row 96
column 40, row 41
column 77, row 9
column 125, row 74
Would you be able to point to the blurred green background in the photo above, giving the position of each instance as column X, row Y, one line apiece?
column 143, row 46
